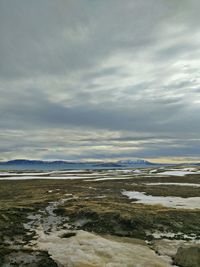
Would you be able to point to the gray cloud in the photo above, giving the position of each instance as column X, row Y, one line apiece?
column 107, row 79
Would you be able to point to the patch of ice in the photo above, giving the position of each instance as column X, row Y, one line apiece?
column 154, row 174
column 10, row 174
column 129, row 171
column 152, row 171
column 5, row 173
column 167, row 247
column 159, row 234
column 125, row 171
column 43, row 178
column 107, row 179
column 178, row 173
column 178, row 184
column 66, row 171
column 87, row 249
column 190, row 169
column 172, row 202
column 137, row 171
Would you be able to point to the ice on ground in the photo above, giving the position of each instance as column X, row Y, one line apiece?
column 47, row 219
column 44, row 177
column 87, row 249
column 167, row 247
column 10, row 174
column 152, row 171
column 65, row 171
column 172, row 202
column 130, row 171
column 137, row 171
column 4, row 173
column 158, row 235
column 53, row 173
column 190, row 169
column 177, row 184
column 108, row 178
column 178, row 173
column 183, row 169
column 125, row 171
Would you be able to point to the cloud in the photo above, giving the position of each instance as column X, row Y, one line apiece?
column 127, row 69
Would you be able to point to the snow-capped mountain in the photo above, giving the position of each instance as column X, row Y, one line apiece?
column 135, row 162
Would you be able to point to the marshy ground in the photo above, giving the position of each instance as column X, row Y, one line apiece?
column 39, row 212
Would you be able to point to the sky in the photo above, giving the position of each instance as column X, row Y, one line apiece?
column 100, row 80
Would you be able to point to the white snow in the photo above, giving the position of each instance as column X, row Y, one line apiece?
column 108, row 178
column 10, row 174
column 95, row 175
column 68, row 172
column 130, row 171
column 152, row 171
column 43, row 177
column 178, row 173
column 137, row 171
column 158, row 235
column 177, row 184
column 173, row 202
column 87, row 249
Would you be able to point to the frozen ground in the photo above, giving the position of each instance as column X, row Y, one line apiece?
column 99, row 217
column 179, row 184
column 87, row 249
column 179, row 172
column 172, row 202
column 100, row 175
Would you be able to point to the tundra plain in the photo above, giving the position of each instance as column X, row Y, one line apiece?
column 134, row 217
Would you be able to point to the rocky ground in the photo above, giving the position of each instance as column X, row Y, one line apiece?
column 86, row 219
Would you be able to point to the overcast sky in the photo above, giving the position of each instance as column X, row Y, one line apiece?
column 100, row 79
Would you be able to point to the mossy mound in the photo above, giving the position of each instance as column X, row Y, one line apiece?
column 188, row 256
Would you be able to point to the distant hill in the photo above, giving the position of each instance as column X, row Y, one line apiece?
column 26, row 161
column 20, row 164
column 108, row 165
column 117, row 164
column 135, row 162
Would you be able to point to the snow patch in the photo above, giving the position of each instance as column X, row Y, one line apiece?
column 172, row 202
column 87, row 249
column 177, row 184
column 178, row 173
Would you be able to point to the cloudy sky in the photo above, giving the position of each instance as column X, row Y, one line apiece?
column 100, row 79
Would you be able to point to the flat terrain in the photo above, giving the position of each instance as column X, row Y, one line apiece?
column 146, row 211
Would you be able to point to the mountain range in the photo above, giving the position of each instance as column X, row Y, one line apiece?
column 36, row 162
column 24, row 164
